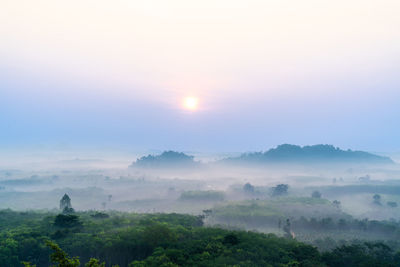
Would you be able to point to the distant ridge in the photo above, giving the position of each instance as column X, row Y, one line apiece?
column 166, row 159
column 287, row 153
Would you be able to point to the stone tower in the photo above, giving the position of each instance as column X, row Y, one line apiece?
column 65, row 202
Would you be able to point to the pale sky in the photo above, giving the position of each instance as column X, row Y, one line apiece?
column 261, row 73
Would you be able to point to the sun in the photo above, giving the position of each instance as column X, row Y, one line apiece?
column 191, row 103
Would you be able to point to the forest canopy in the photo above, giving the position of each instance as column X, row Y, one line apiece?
column 130, row 239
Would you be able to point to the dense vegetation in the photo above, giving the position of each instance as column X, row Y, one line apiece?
column 129, row 239
column 316, row 221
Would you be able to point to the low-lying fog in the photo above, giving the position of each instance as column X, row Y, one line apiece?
column 38, row 182
column 254, row 197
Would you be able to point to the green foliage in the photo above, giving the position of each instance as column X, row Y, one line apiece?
column 28, row 264
column 267, row 212
column 8, row 252
column 69, row 220
column 231, row 239
column 60, row 257
column 67, row 210
column 95, row 263
column 324, row 227
column 363, row 255
column 157, row 259
column 100, row 215
column 163, row 240
column 63, row 260
column 158, row 235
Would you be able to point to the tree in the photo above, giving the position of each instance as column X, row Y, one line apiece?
column 392, row 204
column 69, row 220
column 67, row 210
column 95, row 263
column 158, row 235
column 316, row 194
column 207, row 212
column 248, row 188
column 377, row 199
column 280, row 190
column 336, row 204
column 231, row 239
column 157, row 259
column 8, row 252
column 287, row 228
column 60, row 257
column 366, row 254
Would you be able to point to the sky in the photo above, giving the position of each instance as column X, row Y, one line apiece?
column 116, row 74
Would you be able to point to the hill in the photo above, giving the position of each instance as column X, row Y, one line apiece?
column 287, row 153
column 166, row 159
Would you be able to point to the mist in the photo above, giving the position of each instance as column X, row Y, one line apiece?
column 208, row 133
column 328, row 195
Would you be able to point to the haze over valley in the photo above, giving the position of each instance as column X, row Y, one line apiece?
column 170, row 133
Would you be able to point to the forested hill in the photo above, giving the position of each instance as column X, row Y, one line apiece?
column 287, row 153
column 166, row 159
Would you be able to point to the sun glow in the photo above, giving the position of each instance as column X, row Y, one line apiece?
column 191, row 103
